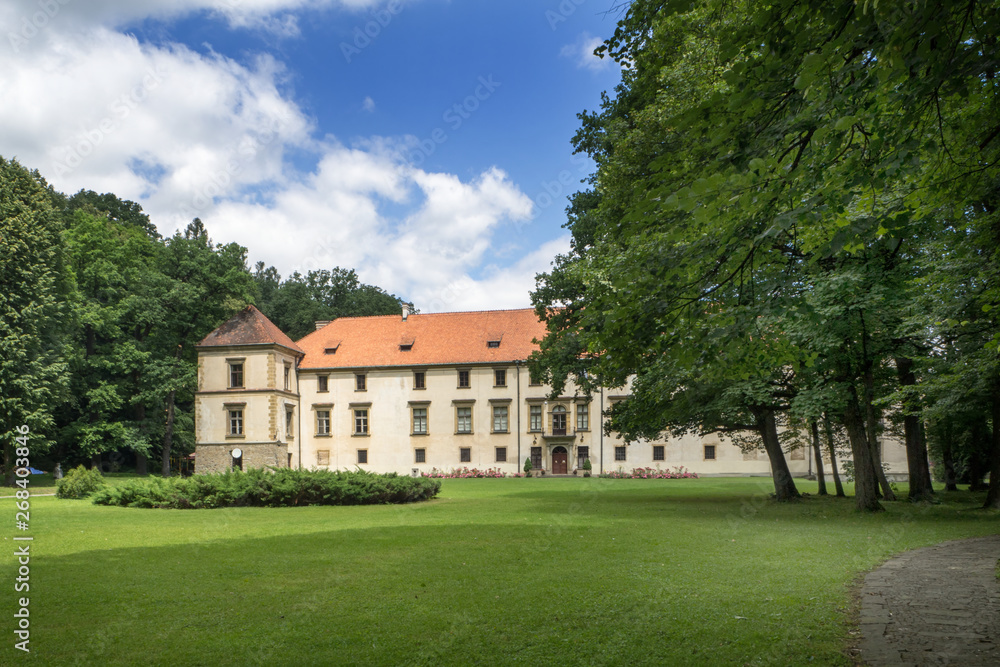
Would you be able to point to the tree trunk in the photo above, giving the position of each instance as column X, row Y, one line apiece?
column 872, row 418
column 784, row 485
column 865, row 482
column 921, row 488
column 818, row 455
column 993, row 495
column 168, row 434
column 141, row 462
column 948, row 460
column 833, row 456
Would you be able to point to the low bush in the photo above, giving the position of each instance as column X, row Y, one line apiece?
column 270, row 488
column 79, row 483
column 651, row 473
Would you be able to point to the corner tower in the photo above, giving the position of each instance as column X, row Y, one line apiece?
column 247, row 403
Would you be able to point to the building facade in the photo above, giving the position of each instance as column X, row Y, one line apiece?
column 411, row 393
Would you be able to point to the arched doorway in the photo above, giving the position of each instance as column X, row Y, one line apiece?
column 559, row 461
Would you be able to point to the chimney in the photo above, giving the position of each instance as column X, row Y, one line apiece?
column 322, row 323
column 406, row 311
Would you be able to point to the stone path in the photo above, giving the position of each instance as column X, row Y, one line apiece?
column 938, row 605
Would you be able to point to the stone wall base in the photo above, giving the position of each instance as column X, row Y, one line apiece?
column 218, row 458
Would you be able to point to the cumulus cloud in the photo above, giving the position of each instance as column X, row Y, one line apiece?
column 581, row 52
column 190, row 134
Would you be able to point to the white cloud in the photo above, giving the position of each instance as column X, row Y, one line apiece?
column 368, row 105
column 582, row 53
column 187, row 134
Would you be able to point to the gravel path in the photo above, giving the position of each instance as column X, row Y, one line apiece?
column 938, row 605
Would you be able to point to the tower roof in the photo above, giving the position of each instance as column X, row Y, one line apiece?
column 248, row 327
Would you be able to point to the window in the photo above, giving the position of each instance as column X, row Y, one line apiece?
column 620, row 453
column 288, row 377
column 288, row 423
column 420, row 455
column 323, row 457
column 535, row 418
column 499, row 377
column 499, row 418
column 322, row 422
column 419, row 380
column 582, row 454
column 463, row 379
column 501, row 454
column 465, row 455
column 709, row 452
column 420, row 421
column 493, row 343
column 534, row 379
column 464, row 417
column 658, row 453
column 362, row 456
column 536, row 458
column 236, row 374
column 405, row 347
column 323, row 383
column 236, row 422
column 582, row 417
column 361, row 421
column 559, row 420
column 360, row 382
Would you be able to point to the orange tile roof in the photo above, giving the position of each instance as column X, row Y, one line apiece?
column 248, row 327
column 437, row 338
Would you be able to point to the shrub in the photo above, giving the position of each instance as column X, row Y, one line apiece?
column 587, row 467
column 527, row 467
column 284, row 487
column 79, row 483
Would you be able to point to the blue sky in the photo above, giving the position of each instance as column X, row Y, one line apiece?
column 424, row 143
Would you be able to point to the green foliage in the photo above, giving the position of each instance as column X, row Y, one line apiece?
column 527, row 467
column 266, row 488
column 295, row 304
column 80, row 483
column 32, row 286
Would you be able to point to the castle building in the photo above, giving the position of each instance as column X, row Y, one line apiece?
column 412, row 392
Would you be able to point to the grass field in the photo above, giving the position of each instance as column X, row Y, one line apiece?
column 525, row 571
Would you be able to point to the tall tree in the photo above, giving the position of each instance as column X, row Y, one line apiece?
column 32, row 284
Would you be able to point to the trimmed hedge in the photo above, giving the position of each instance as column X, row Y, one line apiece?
column 284, row 487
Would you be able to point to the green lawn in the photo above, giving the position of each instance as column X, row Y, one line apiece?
column 527, row 571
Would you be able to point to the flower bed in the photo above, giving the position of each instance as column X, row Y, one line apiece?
column 651, row 473
column 465, row 473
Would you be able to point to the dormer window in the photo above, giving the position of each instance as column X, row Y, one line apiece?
column 492, row 343
column 332, row 347
column 330, row 350
column 405, row 347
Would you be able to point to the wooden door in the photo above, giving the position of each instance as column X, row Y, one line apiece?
column 559, row 457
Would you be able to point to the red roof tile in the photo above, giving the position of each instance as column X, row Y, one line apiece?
column 249, row 327
column 437, row 338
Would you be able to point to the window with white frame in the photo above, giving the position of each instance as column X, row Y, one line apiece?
column 420, row 421
column 500, row 418
column 463, row 419
column 236, row 374
column 361, row 421
column 323, row 422
column 235, row 421
column 535, row 418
